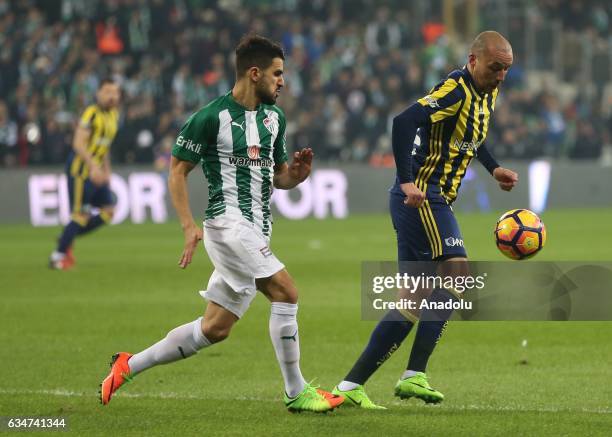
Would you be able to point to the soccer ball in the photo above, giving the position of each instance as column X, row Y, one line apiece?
column 520, row 234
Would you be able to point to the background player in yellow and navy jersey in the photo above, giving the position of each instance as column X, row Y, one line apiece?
column 448, row 127
column 89, row 170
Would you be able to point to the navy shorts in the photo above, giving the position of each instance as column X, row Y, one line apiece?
column 427, row 233
column 84, row 194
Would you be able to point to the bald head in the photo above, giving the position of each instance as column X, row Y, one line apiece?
column 489, row 60
column 490, row 42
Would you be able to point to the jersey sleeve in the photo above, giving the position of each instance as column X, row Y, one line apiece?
column 191, row 141
column 280, row 144
column 87, row 117
column 443, row 101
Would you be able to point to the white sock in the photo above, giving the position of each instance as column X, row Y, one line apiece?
column 57, row 256
column 284, row 335
column 407, row 374
column 182, row 342
column 347, row 386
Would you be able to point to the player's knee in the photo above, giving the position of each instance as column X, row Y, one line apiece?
column 215, row 332
column 290, row 295
column 279, row 288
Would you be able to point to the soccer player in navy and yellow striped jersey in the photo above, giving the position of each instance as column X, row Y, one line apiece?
column 448, row 127
column 88, row 170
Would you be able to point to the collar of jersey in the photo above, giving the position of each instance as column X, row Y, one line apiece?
column 237, row 105
column 470, row 79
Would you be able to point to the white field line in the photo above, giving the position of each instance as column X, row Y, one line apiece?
column 182, row 396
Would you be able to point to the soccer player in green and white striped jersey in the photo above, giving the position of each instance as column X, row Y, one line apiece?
column 239, row 138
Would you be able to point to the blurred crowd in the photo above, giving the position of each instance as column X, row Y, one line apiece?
column 351, row 66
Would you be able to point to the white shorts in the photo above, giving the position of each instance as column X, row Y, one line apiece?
column 240, row 253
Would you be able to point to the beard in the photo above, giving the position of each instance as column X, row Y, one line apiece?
column 265, row 97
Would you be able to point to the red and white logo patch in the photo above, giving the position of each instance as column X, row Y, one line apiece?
column 271, row 125
column 253, row 152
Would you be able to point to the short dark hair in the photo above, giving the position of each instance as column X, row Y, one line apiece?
column 256, row 51
column 106, row 80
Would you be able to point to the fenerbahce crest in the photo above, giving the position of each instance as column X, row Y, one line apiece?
column 253, row 151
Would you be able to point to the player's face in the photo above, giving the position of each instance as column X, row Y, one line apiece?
column 108, row 96
column 270, row 82
column 490, row 68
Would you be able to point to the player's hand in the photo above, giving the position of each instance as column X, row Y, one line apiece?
column 97, row 175
column 414, row 196
column 193, row 236
column 507, row 178
column 302, row 165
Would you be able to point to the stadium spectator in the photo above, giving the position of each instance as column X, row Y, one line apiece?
column 350, row 66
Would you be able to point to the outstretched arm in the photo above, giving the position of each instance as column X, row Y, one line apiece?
column 177, row 184
column 287, row 176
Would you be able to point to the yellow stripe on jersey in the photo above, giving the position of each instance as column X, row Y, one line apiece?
column 430, row 156
column 488, row 113
column 458, row 133
column 88, row 115
column 432, row 98
column 433, row 157
column 451, row 195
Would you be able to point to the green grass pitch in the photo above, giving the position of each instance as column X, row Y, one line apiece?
column 59, row 330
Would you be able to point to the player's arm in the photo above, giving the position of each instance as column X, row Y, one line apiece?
column 288, row 176
column 444, row 101
column 403, row 132
column 507, row 178
column 186, row 154
column 177, row 184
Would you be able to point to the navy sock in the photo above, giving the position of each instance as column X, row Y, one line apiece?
column 385, row 339
column 71, row 230
column 93, row 223
column 431, row 327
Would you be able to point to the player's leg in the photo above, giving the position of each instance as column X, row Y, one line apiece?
column 186, row 340
column 182, row 342
column 103, row 199
column 393, row 328
column 283, row 295
column 284, row 333
column 447, row 247
column 79, row 193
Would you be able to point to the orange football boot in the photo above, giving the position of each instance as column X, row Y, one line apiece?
column 70, row 257
column 119, row 374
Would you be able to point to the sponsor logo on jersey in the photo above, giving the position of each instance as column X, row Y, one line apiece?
column 253, row 151
column 266, row 252
column 466, row 146
column 453, row 242
column 240, row 161
column 187, row 143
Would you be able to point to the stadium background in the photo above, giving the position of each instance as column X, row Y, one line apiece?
column 350, row 67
